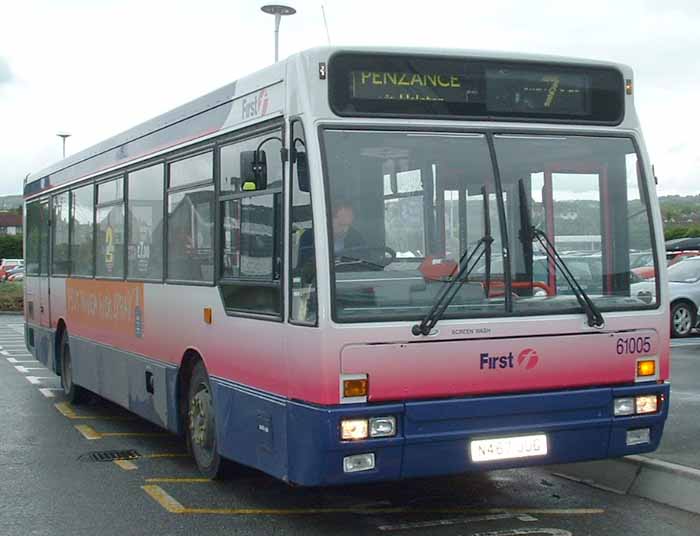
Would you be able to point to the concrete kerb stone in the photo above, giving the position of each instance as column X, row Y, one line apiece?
column 640, row 476
column 685, row 343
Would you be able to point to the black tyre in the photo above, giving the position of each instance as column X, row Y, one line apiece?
column 73, row 392
column 201, row 424
column 682, row 319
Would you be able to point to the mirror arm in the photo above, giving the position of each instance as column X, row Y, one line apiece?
column 268, row 139
column 294, row 148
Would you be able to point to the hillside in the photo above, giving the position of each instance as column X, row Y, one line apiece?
column 680, row 210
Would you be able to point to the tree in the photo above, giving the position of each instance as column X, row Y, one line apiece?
column 11, row 247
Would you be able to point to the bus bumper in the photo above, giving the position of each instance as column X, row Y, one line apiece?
column 433, row 436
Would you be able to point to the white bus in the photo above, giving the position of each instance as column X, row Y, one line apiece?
column 343, row 268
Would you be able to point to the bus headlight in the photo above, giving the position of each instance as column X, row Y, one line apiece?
column 355, row 429
column 382, row 427
column 647, row 404
column 624, row 406
column 638, row 405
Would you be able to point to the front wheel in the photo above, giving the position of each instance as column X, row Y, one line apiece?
column 74, row 393
column 682, row 319
column 201, row 424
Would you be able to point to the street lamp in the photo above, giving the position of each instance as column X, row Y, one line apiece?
column 63, row 136
column 278, row 11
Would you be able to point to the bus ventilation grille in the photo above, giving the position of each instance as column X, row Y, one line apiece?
column 109, row 455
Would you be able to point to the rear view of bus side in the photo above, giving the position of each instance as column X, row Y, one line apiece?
column 361, row 265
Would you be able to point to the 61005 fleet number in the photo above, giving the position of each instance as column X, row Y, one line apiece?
column 633, row 345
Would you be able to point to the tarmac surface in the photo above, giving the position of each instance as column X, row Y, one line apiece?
column 50, row 484
column 681, row 440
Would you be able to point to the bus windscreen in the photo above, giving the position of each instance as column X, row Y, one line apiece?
column 403, row 86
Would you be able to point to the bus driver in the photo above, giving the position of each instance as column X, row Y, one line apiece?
column 345, row 236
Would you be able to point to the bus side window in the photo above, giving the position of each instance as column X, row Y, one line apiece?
column 60, row 217
column 303, row 305
column 33, row 237
column 82, row 222
column 110, row 229
column 145, row 206
column 191, row 219
column 250, row 262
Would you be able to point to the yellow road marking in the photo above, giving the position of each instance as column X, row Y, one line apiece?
column 126, row 465
column 167, row 455
column 166, row 501
column 134, row 434
column 390, row 510
column 90, row 433
column 67, row 411
column 173, row 506
column 177, row 480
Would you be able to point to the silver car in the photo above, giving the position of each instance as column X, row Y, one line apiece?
column 684, row 291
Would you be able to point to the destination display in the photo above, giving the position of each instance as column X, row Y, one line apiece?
column 423, row 86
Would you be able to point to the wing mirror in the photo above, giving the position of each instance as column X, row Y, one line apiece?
column 303, row 172
column 253, row 170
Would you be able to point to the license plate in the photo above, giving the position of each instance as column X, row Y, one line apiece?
column 508, row 448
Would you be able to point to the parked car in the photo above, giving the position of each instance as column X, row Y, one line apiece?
column 672, row 257
column 7, row 264
column 680, row 244
column 16, row 274
column 684, row 290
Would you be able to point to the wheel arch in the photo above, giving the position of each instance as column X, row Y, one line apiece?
column 190, row 357
column 61, row 329
column 693, row 306
column 693, row 312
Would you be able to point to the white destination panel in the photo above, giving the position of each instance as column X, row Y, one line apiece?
column 507, row 448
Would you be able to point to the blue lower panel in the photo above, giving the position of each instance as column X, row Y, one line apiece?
column 316, row 452
column 251, row 427
column 123, row 378
column 301, row 442
column 43, row 347
column 433, row 436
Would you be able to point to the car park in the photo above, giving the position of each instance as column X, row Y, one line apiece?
column 684, row 293
column 681, row 244
column 684, row 290
column 7, row 264
column 16, row 274
column 645, row 268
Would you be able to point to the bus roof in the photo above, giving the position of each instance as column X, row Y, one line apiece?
column 214, row 112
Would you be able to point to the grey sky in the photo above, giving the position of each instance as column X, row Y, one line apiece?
column 97, row 67
column 5, row 72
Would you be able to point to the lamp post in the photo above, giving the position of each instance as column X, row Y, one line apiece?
column 278, row 11
column 63, row 136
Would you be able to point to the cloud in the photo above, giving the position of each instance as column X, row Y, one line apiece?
column 52, row 85
column 6, row 76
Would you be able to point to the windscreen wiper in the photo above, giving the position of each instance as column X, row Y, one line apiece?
column 487, row 244
column 345, row 259
column 529, row 233
column 467, row 263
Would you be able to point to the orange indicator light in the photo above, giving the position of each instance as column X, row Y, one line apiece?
column 646, row 368
column 353, row 388
column 628, row 86
column 207, row 315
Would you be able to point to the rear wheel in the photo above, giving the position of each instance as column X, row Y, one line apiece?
column 682, row 319
column 201, row 426
column 74, row 393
